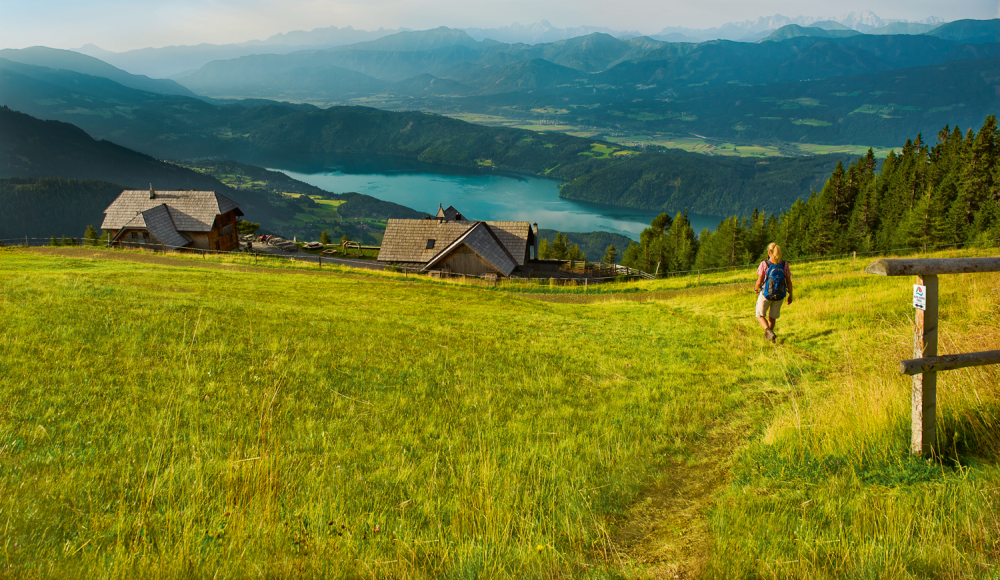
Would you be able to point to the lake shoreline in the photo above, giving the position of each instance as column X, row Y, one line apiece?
column 484, row 194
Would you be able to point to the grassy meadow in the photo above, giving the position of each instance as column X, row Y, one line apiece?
column 166, row 418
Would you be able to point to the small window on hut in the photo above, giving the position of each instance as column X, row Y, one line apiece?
column 430, row 244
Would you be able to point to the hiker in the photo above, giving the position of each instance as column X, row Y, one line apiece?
column 774, row 282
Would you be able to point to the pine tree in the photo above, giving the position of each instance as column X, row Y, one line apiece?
column 559, row 249
column 682, row 244
column 544, row 250
column 976, row 181
column 610, row 255
column 92, row 235
column 632, row 254
column 324, row 238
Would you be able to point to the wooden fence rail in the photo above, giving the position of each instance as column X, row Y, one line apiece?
column 926, row 362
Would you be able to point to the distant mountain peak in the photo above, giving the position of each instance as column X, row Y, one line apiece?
column 750, row 30
column 541, row 32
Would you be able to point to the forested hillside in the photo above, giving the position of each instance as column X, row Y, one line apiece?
column 676, row 180
column 942, row 193
column 41, row 208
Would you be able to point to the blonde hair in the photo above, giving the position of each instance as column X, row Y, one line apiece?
column 774, row 251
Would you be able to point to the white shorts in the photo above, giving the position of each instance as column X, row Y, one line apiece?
column 764, row 305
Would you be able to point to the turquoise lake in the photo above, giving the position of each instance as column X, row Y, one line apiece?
column 484, row 196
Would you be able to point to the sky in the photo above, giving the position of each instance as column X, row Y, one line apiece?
column 119, row 25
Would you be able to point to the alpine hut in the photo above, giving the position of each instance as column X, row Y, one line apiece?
column 205, row 220
column 448, row 242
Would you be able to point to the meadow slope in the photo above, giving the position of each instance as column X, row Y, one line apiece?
column 163, row 420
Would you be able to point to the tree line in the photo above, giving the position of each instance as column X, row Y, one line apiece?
column 945, row 193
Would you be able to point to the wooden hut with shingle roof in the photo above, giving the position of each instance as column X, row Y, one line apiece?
column 204, row 220
column 449, row 242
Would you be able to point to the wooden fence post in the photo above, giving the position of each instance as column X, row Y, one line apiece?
column 924, row 400
column 854, row 258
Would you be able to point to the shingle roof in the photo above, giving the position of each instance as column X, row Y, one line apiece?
column 481, row 240
column 450, row 214
column 514, row 237
column 406, row 240
column 190, row 211
column 159, row 224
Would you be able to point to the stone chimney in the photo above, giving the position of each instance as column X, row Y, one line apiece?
column 537, row 257
column 152, row 194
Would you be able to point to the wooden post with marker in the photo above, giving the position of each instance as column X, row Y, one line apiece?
column 926, row 363
column 923, row 422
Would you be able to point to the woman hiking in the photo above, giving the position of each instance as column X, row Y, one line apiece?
column 774, row 282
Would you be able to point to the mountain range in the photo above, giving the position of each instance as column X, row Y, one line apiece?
column 864, row 21
column 174, row 61
column 593, row 63
column 770, row 91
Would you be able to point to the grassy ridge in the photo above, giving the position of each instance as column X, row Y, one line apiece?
column 166, row 421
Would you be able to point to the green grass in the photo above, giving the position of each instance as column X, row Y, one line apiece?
column 811, row 122
column 600, row 151
column 200, row 418
column 858, row 150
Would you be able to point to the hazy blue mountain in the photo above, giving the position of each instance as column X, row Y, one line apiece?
column 676, row 37
column 591, row 53
column 791, row 53
column 528, row 75
column 723, row 62
column 829, row 25
column 149, row 122
column 754, row 30
column 422, row 40
column 794, row 30
column 969, row 31
column 541, row 32
column 904, row 28
column 299, row 77
column 321, row 37
column 169, row 61
column 430, row 85
column 396, row 66
column 76, row 62
column 905, row 51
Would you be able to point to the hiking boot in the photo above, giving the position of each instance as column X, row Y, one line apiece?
column 769, row 335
